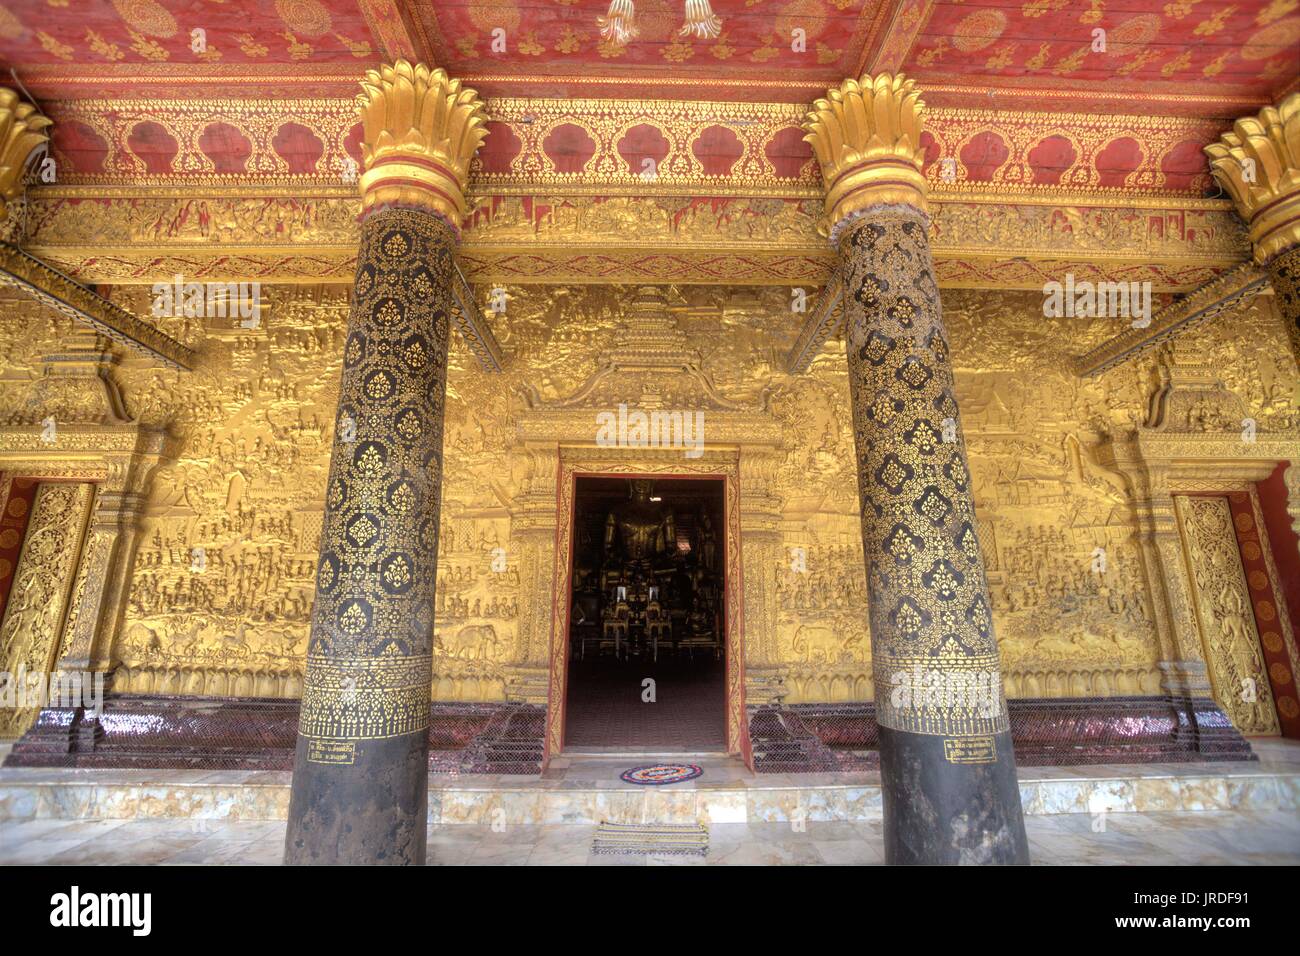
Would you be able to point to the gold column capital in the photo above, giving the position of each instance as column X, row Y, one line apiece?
column 421, row 129
column 22, row 129
column 1258, row 163
column 866, row 134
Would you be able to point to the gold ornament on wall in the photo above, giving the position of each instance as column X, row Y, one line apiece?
column 1228, row 631
column 42, row 591
column 253, row 425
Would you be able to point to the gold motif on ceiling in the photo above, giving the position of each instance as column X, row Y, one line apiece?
column 147, row 16
column 307, row 17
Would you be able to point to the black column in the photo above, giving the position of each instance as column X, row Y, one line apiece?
column 360, row 784
column 950, row 789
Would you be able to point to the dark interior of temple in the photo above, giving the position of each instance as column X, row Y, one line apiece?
column 648, row 603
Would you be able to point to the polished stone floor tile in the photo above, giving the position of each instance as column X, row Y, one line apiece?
column 1246, row 837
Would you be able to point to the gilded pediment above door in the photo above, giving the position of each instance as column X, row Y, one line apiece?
column 649, row 363
column 647, row 366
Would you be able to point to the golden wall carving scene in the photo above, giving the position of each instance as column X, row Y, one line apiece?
column 221, row 585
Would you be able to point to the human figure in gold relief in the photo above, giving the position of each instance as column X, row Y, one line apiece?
column 29, row 605
column 1238, row 633
column 1243, row 659
column 643, row 529
column 1233, row 622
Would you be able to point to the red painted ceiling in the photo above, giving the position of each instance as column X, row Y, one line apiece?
column 81, row 34
column 1158, row 50
column 88, row 33
column 1206, row 57
column 561, row 45
column 1211, row 59
column 178, row 48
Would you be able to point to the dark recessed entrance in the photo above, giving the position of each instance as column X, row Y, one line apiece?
column 647, row 651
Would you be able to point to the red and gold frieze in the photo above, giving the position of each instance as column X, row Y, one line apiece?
column 638, row 147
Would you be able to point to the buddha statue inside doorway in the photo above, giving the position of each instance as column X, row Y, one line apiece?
column 641, row 531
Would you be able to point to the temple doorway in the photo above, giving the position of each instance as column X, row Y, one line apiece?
column 647, row 648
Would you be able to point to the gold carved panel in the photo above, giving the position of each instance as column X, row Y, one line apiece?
column 38, row 606
column 1223, row 612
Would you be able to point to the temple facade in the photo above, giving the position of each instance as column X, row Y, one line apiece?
column 412, row 379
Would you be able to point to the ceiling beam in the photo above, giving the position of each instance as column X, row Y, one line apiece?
column 51, row 287
column 1228, row 292
column 891, row 48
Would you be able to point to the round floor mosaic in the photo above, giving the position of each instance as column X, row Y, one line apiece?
column 659, row 774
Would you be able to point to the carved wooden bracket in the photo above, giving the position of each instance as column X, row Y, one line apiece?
column 51, row 287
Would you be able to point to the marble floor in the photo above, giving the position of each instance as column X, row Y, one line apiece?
column 1235, row 813
column 1238, row 837
column 585, row 788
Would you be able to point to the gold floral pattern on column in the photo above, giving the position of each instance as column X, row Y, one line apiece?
column 928, row 595
column 1284, row 274
column 369, row 659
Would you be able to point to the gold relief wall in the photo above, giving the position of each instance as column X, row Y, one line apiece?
column 1066, row 624
column 1067, row 585
column 1248, row 353
column 1071, row 621
column 219, row 597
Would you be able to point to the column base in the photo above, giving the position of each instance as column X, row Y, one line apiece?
column 374, row 810
column 940, row 812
